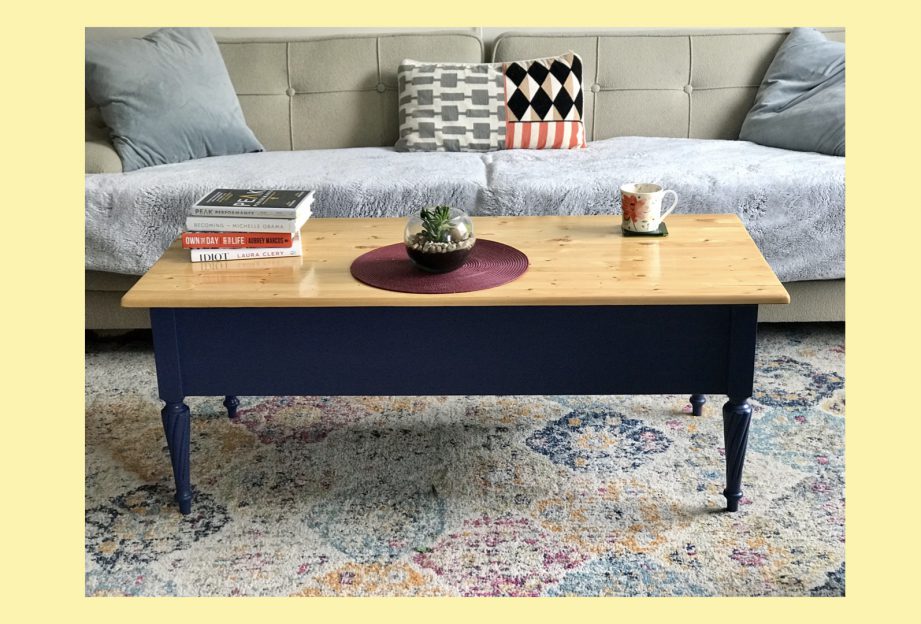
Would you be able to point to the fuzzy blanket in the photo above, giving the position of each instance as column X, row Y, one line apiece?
column 791, row 202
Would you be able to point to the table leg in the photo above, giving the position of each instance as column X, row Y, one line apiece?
column 737, row 414
column 697, row 404
column 175, row 414
column 176, row 424
column 231, row 403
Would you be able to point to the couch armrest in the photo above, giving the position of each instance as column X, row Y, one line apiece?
column 101, row 156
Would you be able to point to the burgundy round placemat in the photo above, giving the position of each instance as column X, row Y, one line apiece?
column 489, row 264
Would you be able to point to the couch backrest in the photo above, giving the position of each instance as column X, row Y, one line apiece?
column 670, row 83
column 340, row 91
column 335, row 91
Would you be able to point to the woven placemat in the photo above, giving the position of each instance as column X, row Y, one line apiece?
column 489, row 264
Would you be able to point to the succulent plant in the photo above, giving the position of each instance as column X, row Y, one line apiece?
column 436, row 223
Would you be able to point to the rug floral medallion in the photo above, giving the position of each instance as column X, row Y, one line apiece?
column 470, row 496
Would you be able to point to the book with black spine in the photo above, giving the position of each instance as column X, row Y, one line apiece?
column 265, row 204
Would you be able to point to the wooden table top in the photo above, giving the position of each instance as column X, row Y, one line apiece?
column 706, row 259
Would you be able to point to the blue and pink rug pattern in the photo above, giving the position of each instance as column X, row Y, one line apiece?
column 470, row 496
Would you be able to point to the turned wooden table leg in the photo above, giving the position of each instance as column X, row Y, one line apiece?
column 231, row 403
column 176, row 425
column 737, row 414
column 175, row 414
column 697, row 404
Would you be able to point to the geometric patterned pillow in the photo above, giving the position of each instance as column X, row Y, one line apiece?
column 482, row 107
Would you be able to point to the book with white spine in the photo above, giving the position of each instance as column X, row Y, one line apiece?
column 247, row 224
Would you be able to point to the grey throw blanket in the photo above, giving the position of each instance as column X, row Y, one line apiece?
column 791, row 202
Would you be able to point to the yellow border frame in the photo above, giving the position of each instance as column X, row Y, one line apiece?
column 43, row 285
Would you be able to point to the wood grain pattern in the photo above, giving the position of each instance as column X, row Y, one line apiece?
column 706, row 259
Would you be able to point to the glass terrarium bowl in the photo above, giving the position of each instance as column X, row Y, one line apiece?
column 439, row 239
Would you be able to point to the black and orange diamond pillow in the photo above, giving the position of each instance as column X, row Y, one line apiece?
column 543, row 99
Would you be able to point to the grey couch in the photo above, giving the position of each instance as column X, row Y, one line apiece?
column 336, row 97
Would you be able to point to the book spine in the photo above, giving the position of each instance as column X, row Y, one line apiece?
column 239, row 224
column 221, row 255
column 240, row 240
column 242, row 211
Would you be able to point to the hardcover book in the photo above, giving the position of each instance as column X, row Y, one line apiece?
column 235, row 240
column 247, row 224
column 217, row 255
column 267, row 204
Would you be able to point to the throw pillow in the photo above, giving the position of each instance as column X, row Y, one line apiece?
column 800, row 104
column 166, row 98
column 481, row 107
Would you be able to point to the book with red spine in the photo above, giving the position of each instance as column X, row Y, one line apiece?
column 235, row 240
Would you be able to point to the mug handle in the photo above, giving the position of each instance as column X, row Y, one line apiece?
column 674, row 203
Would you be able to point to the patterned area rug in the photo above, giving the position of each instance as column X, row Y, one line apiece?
column 470, row 496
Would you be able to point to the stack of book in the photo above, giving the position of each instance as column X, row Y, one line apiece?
column 236, row 224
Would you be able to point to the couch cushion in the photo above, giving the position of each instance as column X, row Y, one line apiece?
column 696, row 82
column 131, row 218
column 166, row 98
column 327, row 92
column 791, row 202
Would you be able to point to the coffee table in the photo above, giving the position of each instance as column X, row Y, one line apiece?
column 596, row 313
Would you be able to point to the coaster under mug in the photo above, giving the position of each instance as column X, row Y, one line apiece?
column 661, row 232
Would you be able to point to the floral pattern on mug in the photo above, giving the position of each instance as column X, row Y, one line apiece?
column 635, row 208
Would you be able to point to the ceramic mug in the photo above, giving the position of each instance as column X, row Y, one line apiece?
column 641, row 203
